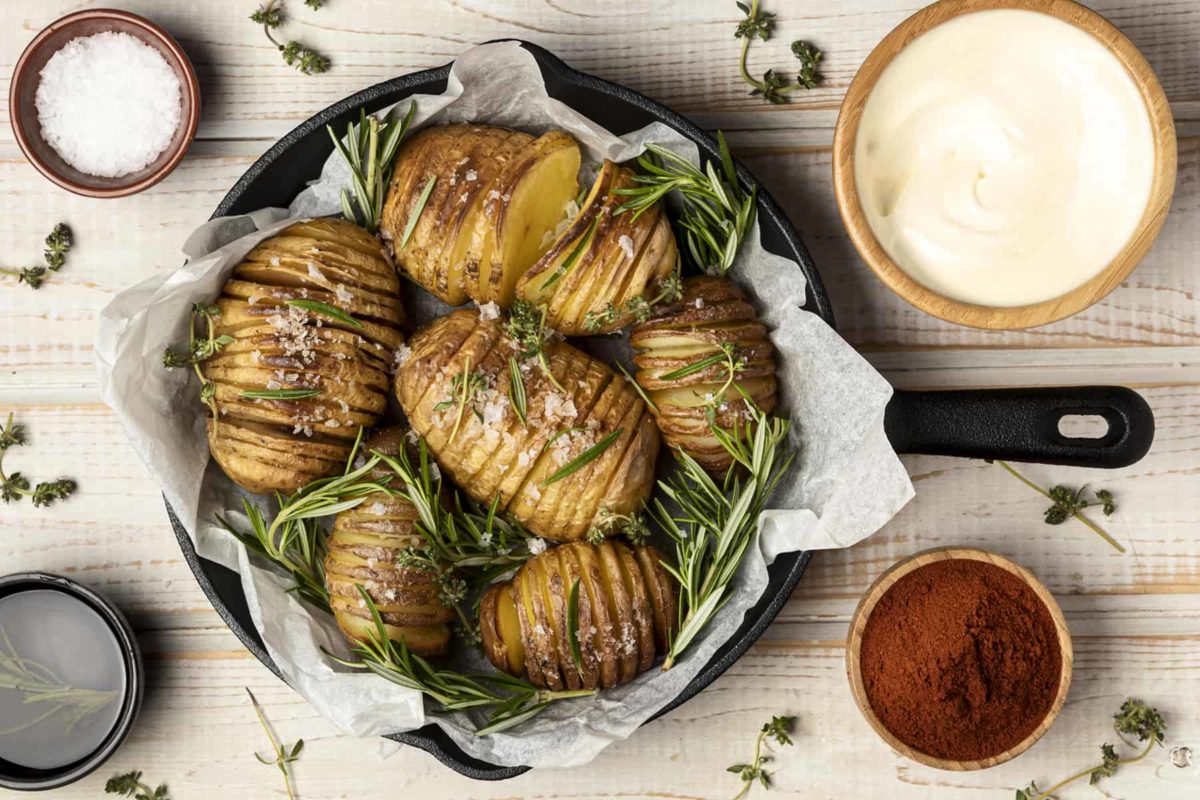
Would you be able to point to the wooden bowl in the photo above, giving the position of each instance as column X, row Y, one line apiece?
column 883, row 583
column 22, row 111
column 996, row 317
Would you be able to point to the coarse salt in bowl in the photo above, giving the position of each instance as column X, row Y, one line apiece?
column 104, row 103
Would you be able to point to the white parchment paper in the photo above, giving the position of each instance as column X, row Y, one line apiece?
column 847, row 482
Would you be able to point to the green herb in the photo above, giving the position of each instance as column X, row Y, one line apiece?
column 1134, row 719
column 641, row 392
column 306, row 60
column 713, row 524
column 573, row 257
column 315, row 5
column 1069, row 503
column 639, row 309
column 58, row 244
column 279, row 394
column 526, row 327
column 716, row 215
column 41, row 687
column 509, row 700
column 15, row 486
column 632, row 526
column 777, row 730
column 282, row 755
column 774, row 88
column 369, row 150
column 326, row 310
column 200, row 349
column 293, row 539
column 516, row 391
column 586, row 457
column 573, row 625
column 416, row 212
column 463, row 388
column 697, row 366
column 130, row 785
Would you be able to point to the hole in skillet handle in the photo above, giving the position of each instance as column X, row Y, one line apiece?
column 1022, row 424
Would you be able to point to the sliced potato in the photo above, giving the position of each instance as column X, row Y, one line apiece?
column 626, row 616
column 481, row 444
column 712, row 314
column 363, row 548
column 280, row 443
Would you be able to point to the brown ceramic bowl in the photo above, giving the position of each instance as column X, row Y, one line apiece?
column 858, row 625
column 23, row 113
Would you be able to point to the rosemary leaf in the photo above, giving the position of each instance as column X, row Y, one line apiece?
column 573, row 625
column 516, row 390
column 572, row 258
column 694, row 367
column 279, row 394
column 586, row 457
column 416, row 213
column 326, row 310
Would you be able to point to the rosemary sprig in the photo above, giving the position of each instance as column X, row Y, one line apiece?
column 516, row 391
column 509, row 701
column 283, row 756
column 41, row 686
column 306, row 60
column 200, row 349
column 130, row 785
column 641, row 392
column 15, row 486
column 369, row 150
column 326, row 310
column 670, row 290
column 58, row 244
column 1134, row 718
column 777, row 730
column 1069, row 503
column 526, row 327
column 573, row 626
column 774, row 88
column 713, row 525
column 716, row 215
column 464, row 386
column 583, row 459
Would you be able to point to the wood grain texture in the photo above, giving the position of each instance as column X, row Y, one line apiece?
column 1135, row 618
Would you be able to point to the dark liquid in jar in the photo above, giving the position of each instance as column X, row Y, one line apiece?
column 62, row 679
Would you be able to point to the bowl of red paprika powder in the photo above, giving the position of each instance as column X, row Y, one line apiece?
column 960, row 659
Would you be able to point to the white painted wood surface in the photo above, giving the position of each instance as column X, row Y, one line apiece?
column 1135, row 617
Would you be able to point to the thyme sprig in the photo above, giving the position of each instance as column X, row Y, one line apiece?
column 712, row 524
column 777, row 730
column 201, row 347
column 464, row 386
column 1068, row 503
column 283, row 756
column 526, row 327
column 774, row 87
column 308, row 61
column 1134, row 719
column 369, row 150
column 58, row 244
column 609, row 523
column 670, row 290
column 716, row 214
column 130, row 785
column 41, row 687
column 15, row 486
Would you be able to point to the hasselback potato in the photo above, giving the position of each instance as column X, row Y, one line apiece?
column 362, row 551
column 603, row 262
column 455, row 383
column 280, row 444
column 669, row 347
column 626, row 613
column 497, row 195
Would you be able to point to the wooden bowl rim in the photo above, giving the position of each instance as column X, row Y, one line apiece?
column 1005, row 317
column 190, row 90
column 885, row 582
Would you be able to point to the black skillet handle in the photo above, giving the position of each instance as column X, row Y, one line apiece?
column 1021, row 424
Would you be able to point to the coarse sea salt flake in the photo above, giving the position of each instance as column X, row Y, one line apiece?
column 109, row 104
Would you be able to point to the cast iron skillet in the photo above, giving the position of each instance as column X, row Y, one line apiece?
column 1017, row 424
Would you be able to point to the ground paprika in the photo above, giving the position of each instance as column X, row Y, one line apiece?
column 960, row 660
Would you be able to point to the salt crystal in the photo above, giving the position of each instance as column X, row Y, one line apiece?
column 489, row 311
column 537, row 545
column 626, row 246
column 109, row 104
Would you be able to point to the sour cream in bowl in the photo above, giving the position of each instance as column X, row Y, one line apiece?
column 1004, row 167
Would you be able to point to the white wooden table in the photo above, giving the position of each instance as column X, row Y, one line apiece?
column 1135, row 617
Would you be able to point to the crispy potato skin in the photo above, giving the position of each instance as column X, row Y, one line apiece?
column 495, row 193
column 627, row 613
column 362, row 551
column 712, row 312
column 624, row 257
column 280, row 445
column 493, row 454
